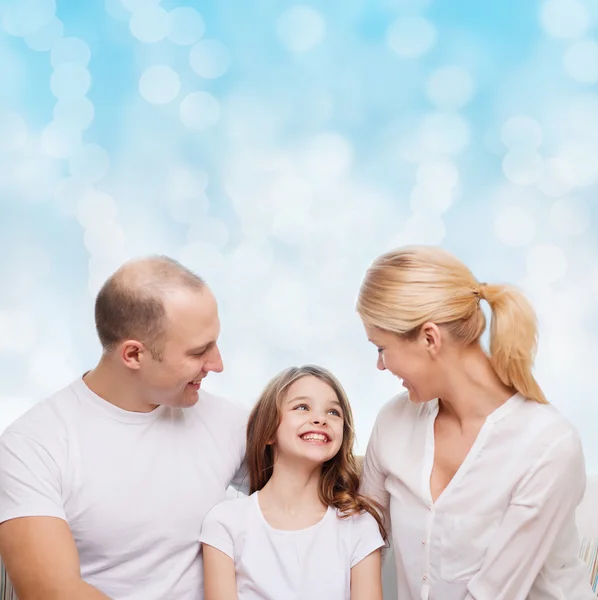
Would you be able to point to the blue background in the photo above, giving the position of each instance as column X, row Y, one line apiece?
column 277, row 148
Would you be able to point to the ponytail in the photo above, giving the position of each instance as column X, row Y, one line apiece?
column 513, row 339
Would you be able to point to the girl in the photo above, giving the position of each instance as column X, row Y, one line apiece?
column 304, row 533
column 482, row 476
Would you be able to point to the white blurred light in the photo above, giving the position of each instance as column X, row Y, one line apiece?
column 185, row 182
column 411, row 36
column 421, row 229
column 570, row 216
column 200, row 110
column 34, row 177
column 70, row 81
column 95, row 208
column 184, row 209
column 521, row 134
column 209, row 230
column 150, row 24
column 439, row 172
column 557, row 177
column 515, row 226
column 17, row 330
column 186, row 26
column 70, row 50
column 582, row 161
column 138, row 5
column 25, row 17
column 209, row 59
column 49, row 369
column 450, row 87
column 77, row 113
column 546, row 263
column 159, row 84
column 431, row 198
column 444, row 132
column 89, row 163
column 301, row 28
column 564, row 18
column 44, row 38
column 69, row 192
column 14, row 132
column 60, row 141
column 582, row 116
column 116, row 10
column 105, row 238
column 327, row 155
column 252, row 260
column 581, row 61
column 523, row 168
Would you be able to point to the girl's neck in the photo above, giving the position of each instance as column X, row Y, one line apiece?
column 291, row 495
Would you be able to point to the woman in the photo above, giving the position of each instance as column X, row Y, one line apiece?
column 480, row 475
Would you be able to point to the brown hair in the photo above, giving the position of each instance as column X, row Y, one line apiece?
column 339, row 479
column 408, row 287
column 130, row 304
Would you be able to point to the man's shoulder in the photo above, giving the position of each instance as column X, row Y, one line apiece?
column 231, row 409
column 45, row 417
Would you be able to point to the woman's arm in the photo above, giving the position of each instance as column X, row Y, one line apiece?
column 366, row 578
column 540, row 505
column 219, row 580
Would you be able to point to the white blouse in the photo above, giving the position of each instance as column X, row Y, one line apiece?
column 504, row 527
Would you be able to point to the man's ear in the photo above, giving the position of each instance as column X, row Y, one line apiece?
column 132, row 352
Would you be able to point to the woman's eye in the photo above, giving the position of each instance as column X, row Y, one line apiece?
column 380, row 350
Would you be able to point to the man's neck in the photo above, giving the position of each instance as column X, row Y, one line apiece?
column 115, row 386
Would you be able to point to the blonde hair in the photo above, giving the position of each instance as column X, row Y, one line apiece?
column 339, row 479
column 405, row 288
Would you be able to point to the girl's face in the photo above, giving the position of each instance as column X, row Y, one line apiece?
column 311, row 427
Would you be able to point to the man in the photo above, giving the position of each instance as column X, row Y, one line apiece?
column 104, row 486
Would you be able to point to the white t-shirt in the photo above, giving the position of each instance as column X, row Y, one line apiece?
column 504, row 528
column 308, row 564
column 133, row 487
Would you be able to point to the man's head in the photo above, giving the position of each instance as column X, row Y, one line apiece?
column 160, row 321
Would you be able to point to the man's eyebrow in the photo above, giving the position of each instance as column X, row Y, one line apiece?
column 200, row 349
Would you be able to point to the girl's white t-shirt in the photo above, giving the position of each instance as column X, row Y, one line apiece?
column 308, row 564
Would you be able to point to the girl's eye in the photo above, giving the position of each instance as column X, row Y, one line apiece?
column 334, row 412
column 301, row 407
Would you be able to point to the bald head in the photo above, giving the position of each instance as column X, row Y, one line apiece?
column 130, row 304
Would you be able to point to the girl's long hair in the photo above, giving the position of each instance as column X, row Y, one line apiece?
column 339, row 479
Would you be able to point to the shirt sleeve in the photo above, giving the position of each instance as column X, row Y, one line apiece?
column 366, row 537
column 30, row 479
column 541, row 504
column 216, row 529
column 373, row 476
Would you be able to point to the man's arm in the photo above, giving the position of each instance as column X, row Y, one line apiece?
column 41, row 560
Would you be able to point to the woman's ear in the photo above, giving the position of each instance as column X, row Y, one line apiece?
column 431, row 336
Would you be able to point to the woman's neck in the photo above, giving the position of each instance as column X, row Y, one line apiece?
column 473, row 389
column 290, row 499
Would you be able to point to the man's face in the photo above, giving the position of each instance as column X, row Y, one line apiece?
column 189, row 349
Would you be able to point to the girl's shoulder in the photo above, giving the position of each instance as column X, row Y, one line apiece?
column 229, row 510
column 356, row 520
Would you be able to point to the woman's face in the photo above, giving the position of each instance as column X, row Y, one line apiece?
column 410, row 361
